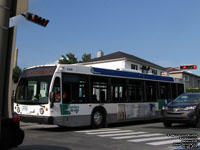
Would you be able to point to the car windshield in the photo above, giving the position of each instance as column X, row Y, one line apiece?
column 33, row 90
column 188, row 98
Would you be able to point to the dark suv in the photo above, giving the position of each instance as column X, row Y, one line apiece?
column 11, row 133
column 184, row 109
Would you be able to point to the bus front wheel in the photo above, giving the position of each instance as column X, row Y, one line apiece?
column 98, row 118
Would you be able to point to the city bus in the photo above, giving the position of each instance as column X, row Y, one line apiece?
column 77, row 95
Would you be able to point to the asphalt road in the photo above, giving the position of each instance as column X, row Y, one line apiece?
column 134, row 136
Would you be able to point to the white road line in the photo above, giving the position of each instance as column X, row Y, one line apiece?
column 119, row 134
column 99, row 130
column 108, row 132
column 151, row 139
column 137, row 136
column 164, row 142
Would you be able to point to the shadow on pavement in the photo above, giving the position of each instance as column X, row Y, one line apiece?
column 41, row 147
column 132, row 123
column 174, row 126
column 68, row 129
column 59, row 129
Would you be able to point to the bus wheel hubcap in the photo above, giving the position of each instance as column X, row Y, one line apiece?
column 98, row 118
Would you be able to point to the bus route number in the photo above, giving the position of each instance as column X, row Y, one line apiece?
column 69, row 69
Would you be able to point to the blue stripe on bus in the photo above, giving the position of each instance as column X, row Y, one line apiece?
column 130, row 74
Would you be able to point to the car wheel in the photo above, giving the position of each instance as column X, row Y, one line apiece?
column 98, row 119
column 167, row 124
column 197, row 124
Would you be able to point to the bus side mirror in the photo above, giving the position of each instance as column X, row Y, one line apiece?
column 52, row 99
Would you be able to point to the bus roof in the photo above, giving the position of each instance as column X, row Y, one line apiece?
column 74, row 68
column 114, row 73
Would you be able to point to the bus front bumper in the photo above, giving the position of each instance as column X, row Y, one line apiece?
column 36, row 119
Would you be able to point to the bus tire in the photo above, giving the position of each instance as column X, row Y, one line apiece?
column 98, row 119
column 197, row 114
column 197, row 125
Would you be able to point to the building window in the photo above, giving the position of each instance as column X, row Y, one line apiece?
column 186, row 78
column 154, row 71
column 198, row 81
column 134, row 67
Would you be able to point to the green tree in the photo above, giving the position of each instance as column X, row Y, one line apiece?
column 16, row 74
column 86, row 57
column 68, row 59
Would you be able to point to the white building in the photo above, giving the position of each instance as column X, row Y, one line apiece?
column 124, row 61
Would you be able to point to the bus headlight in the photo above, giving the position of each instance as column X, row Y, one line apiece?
column 18, row 110
column 41, row 111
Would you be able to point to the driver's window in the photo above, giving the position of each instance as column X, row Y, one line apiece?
column 56, row 89
column 32, row 90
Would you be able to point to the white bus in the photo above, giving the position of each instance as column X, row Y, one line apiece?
column 76, row 95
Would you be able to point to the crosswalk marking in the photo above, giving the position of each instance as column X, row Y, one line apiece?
column 154, row 139
column 151, row 139
column 164, row 142
column 108, row 132
column 99, row 130
column 137, row 136
column 119, row 134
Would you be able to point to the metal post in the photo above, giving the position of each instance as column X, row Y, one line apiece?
column 13, row 63
column 9, row 70
column 4, row 25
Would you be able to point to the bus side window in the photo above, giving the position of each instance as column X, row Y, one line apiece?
column 56, row 89
column 94, row 98
column 102, row 96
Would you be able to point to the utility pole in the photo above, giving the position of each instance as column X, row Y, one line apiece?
column 5, row 6
column 7, row 10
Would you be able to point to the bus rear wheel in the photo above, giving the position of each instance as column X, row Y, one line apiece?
column 98, row 118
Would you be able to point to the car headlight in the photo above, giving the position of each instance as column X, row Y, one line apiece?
column 164, row 108
column 189, row 108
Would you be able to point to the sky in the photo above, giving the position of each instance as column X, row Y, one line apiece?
column 164, row 32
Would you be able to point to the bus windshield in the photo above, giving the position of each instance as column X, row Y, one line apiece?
column 33, row 90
